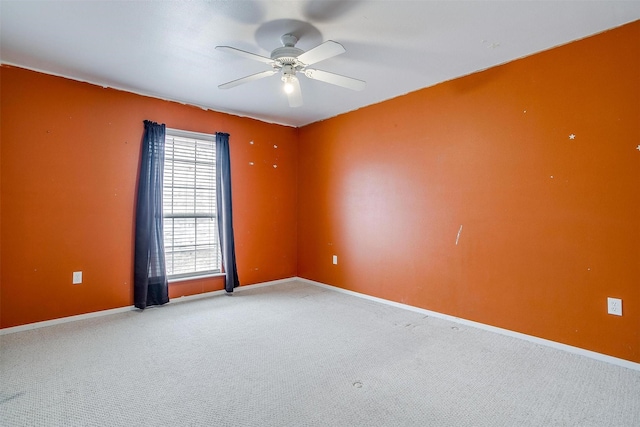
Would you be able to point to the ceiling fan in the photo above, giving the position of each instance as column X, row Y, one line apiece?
column 288, row 60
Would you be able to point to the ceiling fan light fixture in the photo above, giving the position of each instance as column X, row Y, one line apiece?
column 288, row 87
column 288, row 80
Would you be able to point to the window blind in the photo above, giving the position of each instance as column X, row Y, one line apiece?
column 189, row 205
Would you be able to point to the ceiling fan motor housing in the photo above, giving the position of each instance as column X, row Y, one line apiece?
column 288, row 53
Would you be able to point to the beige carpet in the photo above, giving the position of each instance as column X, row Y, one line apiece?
column 294, row 354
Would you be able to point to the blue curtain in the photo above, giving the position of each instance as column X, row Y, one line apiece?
column 150, row 285
column 225, row 212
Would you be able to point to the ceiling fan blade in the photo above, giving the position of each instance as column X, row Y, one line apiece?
column 335, row 79
column 321, row 52
column 295, row 96
column 247, row 79
column 245, row 54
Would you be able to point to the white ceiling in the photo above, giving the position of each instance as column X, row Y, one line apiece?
column 166, row 49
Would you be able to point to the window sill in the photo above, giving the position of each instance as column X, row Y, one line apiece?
column 204, row 276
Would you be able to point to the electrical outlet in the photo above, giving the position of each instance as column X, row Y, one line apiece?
column 77, row 277
column 335, row 259
column 614, row 306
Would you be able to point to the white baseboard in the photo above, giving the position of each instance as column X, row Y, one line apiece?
column 238, row 289
column 108, row 312
column 548, row 343
column 67, row 319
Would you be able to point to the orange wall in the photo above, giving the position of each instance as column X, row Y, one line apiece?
column 70, row 157
column 550, row 225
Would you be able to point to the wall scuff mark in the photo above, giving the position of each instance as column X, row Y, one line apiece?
column 458, row 236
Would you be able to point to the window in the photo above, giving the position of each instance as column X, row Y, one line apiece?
column 189, row 205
